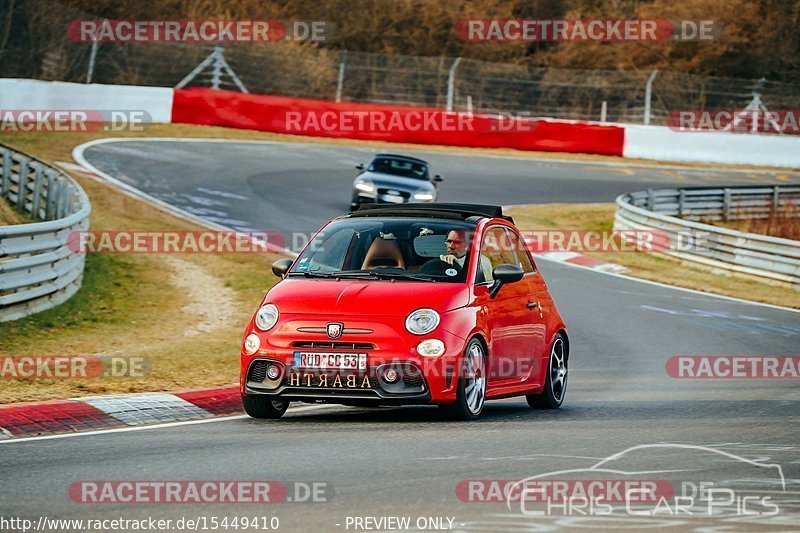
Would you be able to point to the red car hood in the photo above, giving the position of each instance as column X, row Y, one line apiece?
column 365, row 297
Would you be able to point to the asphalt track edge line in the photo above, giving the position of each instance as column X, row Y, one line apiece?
column 655, row 165
column 77, row 155
column 666, row 286
column 157, row 426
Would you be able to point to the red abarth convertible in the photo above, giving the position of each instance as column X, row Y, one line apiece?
column 416, row 304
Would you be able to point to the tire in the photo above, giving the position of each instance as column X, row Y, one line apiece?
column 555, row 387
column 471, row 389
column 264, row 406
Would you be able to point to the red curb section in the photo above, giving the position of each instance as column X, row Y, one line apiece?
column 59, row 416
column 220, row 401
column 54, row 417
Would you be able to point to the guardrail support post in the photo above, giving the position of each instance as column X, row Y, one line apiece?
column 52, row 197
column 726, row 204
column 681, row 198
column 651, row 200
column 37, row 191
column 775, row 199
column 23, row 182
column 7, row 162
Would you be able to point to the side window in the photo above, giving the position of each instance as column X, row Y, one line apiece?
column 495, row 250
column 523, row 259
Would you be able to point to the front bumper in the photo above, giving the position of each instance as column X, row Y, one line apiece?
column 423, row 380
column 366, row 386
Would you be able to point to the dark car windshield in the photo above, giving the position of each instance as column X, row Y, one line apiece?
column 399, row 167
column 386, row 248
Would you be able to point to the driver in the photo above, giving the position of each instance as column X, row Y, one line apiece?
column 456, row 243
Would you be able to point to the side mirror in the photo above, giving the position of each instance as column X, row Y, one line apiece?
column 360, row 166
column 502, row 274
column 281, row 267
column 438, row 177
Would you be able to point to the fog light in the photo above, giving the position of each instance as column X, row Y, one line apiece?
column 391, row 375
column 251, row 344
column 273, row 372
column 431, row 348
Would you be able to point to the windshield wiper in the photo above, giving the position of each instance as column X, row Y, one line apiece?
column 380, row 275
column 312, row 274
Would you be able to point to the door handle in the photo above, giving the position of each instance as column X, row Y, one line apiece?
column 533, row 305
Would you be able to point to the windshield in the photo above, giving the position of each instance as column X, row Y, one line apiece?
column 399, row 167
column 389, row 248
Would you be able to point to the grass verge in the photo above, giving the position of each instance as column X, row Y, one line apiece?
column 651, row 266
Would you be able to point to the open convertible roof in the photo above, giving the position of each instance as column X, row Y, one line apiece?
column 451, row 211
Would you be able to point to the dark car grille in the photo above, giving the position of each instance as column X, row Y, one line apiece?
column 258, row 371
column 404, row 194
column 448, row 376
column 334, row 345
column 415, row 381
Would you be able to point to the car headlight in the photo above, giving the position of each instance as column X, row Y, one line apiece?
column 422, row 321
column 430, row 348
column 365, row 186
column 423, row 195
column 267, row 317
column 251, row 344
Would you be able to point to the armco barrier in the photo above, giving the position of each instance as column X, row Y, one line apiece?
column 38, row 270
column 280, row 115
column 669, row 211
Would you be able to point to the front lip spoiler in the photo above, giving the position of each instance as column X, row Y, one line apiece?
column 306, row 393
column 326, row 396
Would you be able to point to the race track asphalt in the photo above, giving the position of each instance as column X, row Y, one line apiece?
column 408, row 461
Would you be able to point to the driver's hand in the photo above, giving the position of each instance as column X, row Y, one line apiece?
column 449, row 258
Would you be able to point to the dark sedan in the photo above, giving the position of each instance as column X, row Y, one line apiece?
column 394, row 179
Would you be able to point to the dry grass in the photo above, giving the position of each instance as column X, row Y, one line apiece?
column 783, row 224
column 651, row 266
column 10, row 216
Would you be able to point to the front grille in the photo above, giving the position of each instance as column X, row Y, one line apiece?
column 334, row 345
column 258, row 371
column 404, row 194
column 415, row 381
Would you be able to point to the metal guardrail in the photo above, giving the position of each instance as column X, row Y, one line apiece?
column 38, row 269
column 675, row 212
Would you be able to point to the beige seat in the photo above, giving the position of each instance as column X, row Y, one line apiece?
column 383, row 253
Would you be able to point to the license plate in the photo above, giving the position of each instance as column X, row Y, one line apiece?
column 392, row 198
column 330, row 361
column 329, row 381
